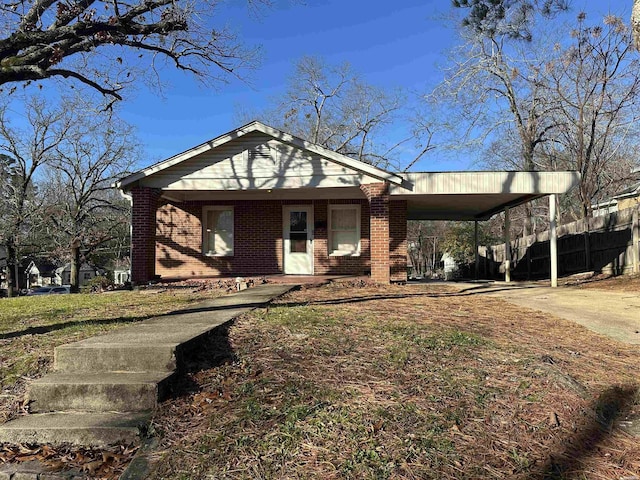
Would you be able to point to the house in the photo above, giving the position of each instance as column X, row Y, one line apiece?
column 40, row 273
column 627, row 198
column 87, row 272
column 259, row 201
column 121, row 276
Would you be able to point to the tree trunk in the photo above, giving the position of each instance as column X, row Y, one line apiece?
column 74, row 275
column 12, row 268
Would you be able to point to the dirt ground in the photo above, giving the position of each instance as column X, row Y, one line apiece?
column 605, row 308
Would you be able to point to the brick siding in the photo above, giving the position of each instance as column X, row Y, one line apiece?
column 169, row 242
column 378, row 195
column 257, row 240
column 398, row 240
column 143, row 219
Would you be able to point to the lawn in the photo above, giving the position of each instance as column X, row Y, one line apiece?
column 402, row 382
column 31, row 327
column 356, row 381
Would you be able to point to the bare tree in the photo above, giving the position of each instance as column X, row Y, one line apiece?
column 333, row 107
column 86, row 213
column 596, row 83
column 493, row 89
column 31, row 148
column 101, row 43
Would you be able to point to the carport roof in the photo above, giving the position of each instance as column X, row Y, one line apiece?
column 475, row 195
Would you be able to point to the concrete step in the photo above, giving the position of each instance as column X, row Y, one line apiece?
column 87, row 429
column 102, row 392
column 115, row 357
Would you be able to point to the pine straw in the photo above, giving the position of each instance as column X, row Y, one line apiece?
column 406, row 382
column 621, row 283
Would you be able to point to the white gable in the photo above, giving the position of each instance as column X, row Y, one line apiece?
column 256, row 161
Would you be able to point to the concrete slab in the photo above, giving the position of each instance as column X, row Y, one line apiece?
column 90, row 429
column 81, row 358
column 614, row 314
column 102, row 392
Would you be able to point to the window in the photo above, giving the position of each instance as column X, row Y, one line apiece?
column 87, row 276
column 344, row 230
column 217, row 234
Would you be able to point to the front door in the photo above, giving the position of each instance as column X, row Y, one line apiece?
column 298, row 239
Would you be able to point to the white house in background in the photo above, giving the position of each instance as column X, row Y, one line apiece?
column 121, row 276
column 87, row 272
column 450, row 267
column 39, row 273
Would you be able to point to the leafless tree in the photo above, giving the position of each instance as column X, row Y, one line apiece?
column 31, row 148
column 333, row 107
column 107, row 44
column 596, row 84
column 86, row 213
column 493, row 90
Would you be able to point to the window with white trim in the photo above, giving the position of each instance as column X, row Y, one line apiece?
column 217, row 231
column 344, row 230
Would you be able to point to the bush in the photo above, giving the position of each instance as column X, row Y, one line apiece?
column 97, row 284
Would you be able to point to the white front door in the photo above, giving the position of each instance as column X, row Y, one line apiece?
column 298, row 239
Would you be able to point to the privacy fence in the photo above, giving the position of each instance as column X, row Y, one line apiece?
column 608, row 244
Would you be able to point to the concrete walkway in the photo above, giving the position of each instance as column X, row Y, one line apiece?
column 615, row 314
column 103, row 389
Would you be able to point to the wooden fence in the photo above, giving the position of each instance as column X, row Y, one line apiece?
column 607, row 244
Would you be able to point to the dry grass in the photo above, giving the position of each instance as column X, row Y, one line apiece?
column 410, row 382
column 621, row 283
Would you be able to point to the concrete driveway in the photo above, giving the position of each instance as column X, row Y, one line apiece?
column 616, row 314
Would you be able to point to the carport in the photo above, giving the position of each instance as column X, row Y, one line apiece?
column 477, row 196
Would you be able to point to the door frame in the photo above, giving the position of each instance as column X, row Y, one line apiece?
column 286, row 209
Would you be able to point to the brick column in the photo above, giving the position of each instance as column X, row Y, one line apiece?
column 143, row 234
column 378, row 196
column 398, row 240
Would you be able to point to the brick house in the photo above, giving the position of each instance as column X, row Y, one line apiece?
column 258, row 201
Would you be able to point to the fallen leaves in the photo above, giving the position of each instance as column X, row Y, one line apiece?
column 107, row 464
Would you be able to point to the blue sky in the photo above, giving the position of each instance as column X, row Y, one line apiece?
column 392, row 44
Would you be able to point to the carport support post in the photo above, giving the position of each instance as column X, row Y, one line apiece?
column 507, row 245
column 475, row 243
column 635, row 238
column 553, row 240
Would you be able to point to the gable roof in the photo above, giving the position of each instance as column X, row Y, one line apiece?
column 260, row 127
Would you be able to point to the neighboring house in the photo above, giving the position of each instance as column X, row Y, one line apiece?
column 121, row 276
column 40, row 273
column 87, row 272
column 450, row 267
column 258, row 201
column 627, row 198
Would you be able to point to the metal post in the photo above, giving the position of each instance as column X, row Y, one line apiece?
column 507, row 246
column 553, row 240
column 475, row 243
column 635, row 238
